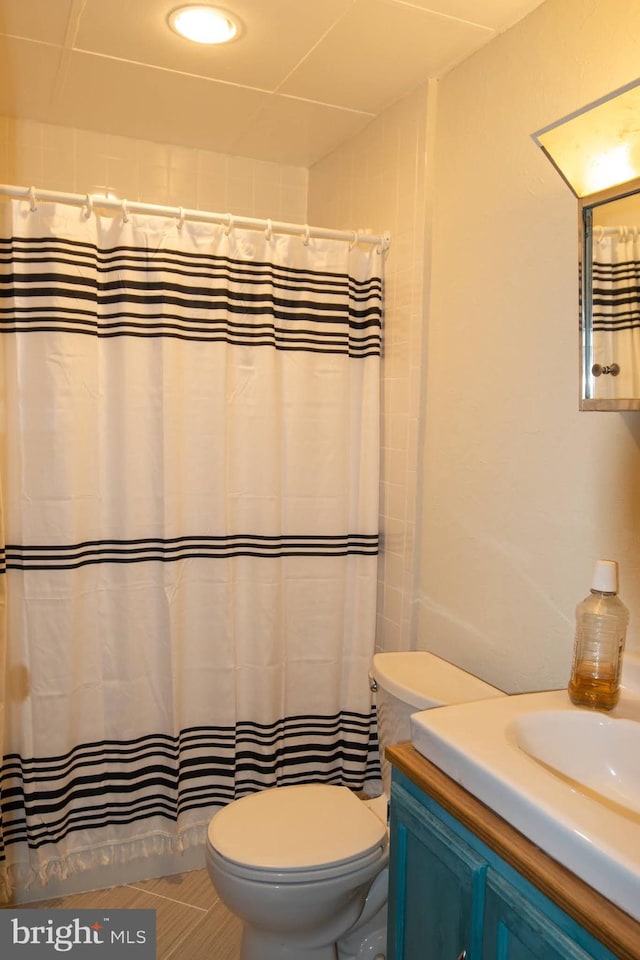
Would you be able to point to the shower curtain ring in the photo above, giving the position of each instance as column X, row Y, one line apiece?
column 354, row 240
column 32, row 199
column 125, row 212
column 88, row 209
column 229, row 226
column 307, row 235
column 269, row 231
column 180, row 218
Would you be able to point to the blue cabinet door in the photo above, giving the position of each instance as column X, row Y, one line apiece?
column 436, row 893
column 515, row 928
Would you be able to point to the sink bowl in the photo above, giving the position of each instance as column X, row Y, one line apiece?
column 594, row 753
column 566, row 777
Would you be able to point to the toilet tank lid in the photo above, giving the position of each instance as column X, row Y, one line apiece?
column 423, row 680
column 296, row 827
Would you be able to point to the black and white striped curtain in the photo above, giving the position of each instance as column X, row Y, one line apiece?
column 616, row 311
column 189, row 452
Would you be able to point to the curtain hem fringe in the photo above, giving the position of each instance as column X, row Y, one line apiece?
column 110, row 854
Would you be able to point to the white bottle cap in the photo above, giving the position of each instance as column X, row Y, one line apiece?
column 605, row 576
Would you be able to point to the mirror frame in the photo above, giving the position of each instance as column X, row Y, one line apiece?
column 586, row 207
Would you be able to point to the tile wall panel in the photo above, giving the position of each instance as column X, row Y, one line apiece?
column 80, row 161
column 378, row 181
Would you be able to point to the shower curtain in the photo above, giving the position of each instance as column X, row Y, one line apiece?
column 189, row 475
column 616, row 310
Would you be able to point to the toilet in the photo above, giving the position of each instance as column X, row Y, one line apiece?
column 305, row 867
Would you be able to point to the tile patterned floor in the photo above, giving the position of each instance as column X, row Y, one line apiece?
column 191, row 921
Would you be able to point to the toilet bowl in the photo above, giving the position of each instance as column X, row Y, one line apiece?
column 305, row 867
column 296, row 864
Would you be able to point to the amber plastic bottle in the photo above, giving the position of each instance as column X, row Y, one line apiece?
column 601, row 631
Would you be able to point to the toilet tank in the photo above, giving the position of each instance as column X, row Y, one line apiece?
column 412, row 680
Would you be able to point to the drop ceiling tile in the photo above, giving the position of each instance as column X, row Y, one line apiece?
column 44, row 20
column 275, row 36
column 297, row 132
column 27, row 76
column 378, row 52
column 117, row 97
column 496, row 14
column 358, row 55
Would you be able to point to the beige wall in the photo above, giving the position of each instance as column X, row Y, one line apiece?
column 521, row 492
column 61, row 158
column 379, row 180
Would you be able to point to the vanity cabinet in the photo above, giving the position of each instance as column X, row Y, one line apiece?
column 453, row 895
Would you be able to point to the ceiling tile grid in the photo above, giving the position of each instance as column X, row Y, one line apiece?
column 302, row 77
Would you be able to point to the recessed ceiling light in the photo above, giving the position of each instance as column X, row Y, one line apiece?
column 203, row 24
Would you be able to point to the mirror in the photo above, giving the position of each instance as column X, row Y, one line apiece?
column 610, row 299
column 597, row 148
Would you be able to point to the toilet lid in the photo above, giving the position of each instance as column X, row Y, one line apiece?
column 285, row 828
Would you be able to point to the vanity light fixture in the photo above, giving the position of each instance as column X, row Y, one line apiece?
column 204, row 24
column 598, row 146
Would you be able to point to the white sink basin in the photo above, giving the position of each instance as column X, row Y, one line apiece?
column 593, row 752
column 566, row 777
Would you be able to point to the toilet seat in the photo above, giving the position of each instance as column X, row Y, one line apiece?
column 301, row 832
column 378, row 858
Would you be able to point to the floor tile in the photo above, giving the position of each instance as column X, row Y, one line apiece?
column 216, row 937
column 194, row 888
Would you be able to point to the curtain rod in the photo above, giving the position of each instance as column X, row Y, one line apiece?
column 270, row 227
